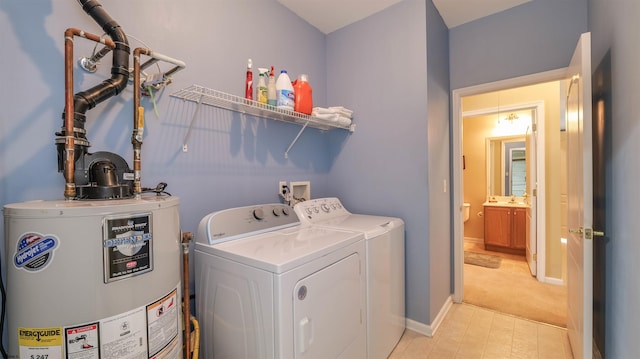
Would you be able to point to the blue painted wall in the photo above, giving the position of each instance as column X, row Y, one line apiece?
column 527, row 39
column 377, row 67
column 233, row 160
column 440, row 228
column 381, row 66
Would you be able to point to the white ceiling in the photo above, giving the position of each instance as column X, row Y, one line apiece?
column 331, row 15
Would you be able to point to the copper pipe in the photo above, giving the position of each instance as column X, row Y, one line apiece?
column 186, row 238
column 138, row 121
column 70, row 32
column 69, row 143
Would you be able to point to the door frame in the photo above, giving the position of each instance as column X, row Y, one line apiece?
column 457, row 192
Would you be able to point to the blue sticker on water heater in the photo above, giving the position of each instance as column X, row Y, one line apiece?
column 35, row 251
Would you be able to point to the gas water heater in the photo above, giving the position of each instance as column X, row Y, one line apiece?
column 94, row 279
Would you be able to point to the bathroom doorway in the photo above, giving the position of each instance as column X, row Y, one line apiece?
column 505, row 94
column 501, row 144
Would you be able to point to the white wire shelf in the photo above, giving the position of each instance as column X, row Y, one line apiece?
column 203, row 95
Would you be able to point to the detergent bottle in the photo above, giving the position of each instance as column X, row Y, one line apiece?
column 303, row 95
column 284, row 92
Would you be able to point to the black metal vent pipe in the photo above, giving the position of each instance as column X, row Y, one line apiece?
column 88, row 99
column 72, row 143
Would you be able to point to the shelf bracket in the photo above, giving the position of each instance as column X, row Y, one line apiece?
column 286, row 153
column 185, row 147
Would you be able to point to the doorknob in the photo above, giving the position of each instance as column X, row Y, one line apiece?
column 588, row 232
column 576, row 230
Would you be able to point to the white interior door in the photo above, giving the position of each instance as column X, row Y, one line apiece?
column 580, row 201
column 532, row 185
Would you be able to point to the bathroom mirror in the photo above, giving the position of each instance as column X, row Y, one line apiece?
column 506, row 165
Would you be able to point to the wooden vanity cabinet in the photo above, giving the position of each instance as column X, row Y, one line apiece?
column 505, row 229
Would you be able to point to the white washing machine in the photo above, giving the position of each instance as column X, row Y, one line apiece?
column 267, row 287
column 384, row 242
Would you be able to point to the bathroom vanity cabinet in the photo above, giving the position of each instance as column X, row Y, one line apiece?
column 505, row 229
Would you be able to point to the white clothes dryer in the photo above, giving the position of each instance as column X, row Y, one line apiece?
column 267, row 287
column 385, row 267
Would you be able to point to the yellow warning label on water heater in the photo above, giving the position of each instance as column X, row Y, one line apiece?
column 40, row 343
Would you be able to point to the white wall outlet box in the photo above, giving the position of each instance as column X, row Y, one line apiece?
column 300, row 190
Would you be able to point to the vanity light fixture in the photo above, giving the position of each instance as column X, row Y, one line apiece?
column 509, row 120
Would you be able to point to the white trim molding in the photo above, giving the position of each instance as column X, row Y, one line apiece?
column 430, row 329
column 456, row 161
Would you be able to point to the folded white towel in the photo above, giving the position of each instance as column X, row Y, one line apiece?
column 326, row 116
column 333, row 118
column 343, row 121
column 339, row 110
column 320, row 110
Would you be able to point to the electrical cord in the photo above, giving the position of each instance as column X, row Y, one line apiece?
column 159, row 189
column 285, row 195
column 3, row 293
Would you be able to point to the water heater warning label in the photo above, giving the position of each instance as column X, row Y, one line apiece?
column 127, row 246
column 82, row 341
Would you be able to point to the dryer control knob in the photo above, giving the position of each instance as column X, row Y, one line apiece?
column 325, row 207
column 285, row 211
column 258, row 213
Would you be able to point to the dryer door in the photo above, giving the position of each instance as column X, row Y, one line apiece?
column 329, row 312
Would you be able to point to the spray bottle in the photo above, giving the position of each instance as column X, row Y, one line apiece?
column 262, row 86
column 248, row 84
column 271, row 89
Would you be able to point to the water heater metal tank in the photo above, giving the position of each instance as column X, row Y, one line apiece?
column 94, row 279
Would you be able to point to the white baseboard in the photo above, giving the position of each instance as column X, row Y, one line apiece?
column 430, row 329
column 555, row 281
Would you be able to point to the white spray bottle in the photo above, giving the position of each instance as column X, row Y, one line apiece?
column 271, row 89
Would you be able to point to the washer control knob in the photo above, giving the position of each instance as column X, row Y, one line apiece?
column 276, row 212
column 285, row 210
column 325, row 207
column 309, row 210
column 258, row 214
column 302, row 292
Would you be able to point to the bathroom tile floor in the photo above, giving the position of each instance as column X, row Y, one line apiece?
column 473, row 332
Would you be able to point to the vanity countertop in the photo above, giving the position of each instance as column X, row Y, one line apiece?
column 506, row 201
column 518, row 204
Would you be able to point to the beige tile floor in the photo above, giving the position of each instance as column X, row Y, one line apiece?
column 473, row 332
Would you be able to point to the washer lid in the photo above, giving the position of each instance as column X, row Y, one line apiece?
column 285, row 249
column 329, row 212
column 371, row 226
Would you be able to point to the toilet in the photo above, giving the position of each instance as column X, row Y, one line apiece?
column 467, row 206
